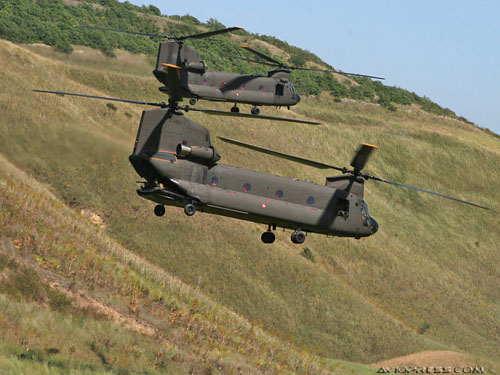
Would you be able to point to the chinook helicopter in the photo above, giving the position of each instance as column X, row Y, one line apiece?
column 179, row 66
column 184, row 75
column 180, row 165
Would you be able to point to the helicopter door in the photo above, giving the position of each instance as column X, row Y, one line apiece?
column 279, row 89
column 342, row 208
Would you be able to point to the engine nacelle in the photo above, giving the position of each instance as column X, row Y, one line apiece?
column 206, row 155
column 196, row 67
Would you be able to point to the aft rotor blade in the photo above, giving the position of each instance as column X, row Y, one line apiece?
column 296, row 159
column 361, row 157
column 265, row 57
column 423, row 190
column 209, row 33
column 185, row 108
column 156, row 104
column 122, row 31
column 178, row 38
column 247, row 115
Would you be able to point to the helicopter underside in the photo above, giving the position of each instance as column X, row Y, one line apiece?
column 169, row 198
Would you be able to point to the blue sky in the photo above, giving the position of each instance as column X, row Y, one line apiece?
column 447, row 50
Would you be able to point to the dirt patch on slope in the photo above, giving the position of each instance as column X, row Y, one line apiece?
column 429, row 358
column 77, row 294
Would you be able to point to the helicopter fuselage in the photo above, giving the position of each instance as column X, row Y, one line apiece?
column 184, row 75
column 175, row 177
column 275, row 90
column 266, row 199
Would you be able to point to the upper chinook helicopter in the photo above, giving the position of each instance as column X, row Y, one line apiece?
column 185, row 75
column 180, row 165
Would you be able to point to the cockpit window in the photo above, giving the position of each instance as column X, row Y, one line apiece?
column 293, row 88
column 365, row 213
column 364, row 209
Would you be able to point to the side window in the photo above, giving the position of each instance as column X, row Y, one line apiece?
column 214, row 180
column 279, row 89
column 342, row 208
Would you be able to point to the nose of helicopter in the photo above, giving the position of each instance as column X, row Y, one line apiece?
column 374, row 225
column 297, row 96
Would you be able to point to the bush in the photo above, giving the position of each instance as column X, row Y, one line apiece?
column 298, row 59
column 111, row 106
column 307, row 253
column 386, row 103
column 63, row 46
column 424, row 326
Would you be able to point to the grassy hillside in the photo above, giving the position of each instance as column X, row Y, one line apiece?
column 216, row 295
column 73, row 299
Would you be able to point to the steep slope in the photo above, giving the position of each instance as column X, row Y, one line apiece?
column 72, row 299
column 423, row 282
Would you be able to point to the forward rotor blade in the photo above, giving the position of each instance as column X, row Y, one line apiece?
column 313, row 69
column 423, row 190
column 247, row 115
column 360, row 75
column 361, row 157
column 265, row 57
column 156, row 104
column 296, row 159
column 334, row 71
column 280, row 64
column 209, row 33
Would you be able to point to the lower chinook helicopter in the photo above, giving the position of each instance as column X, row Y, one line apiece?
column 180, row 165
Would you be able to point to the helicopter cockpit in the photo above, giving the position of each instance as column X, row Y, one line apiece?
column 368, row 221
column 295, row 96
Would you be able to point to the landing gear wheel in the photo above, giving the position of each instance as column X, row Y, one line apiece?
column 235, row 109
column 189, row 209
column 192, row 101
column 298, row 237
column 159, row 210
column 268, row 237
column 255, row 111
